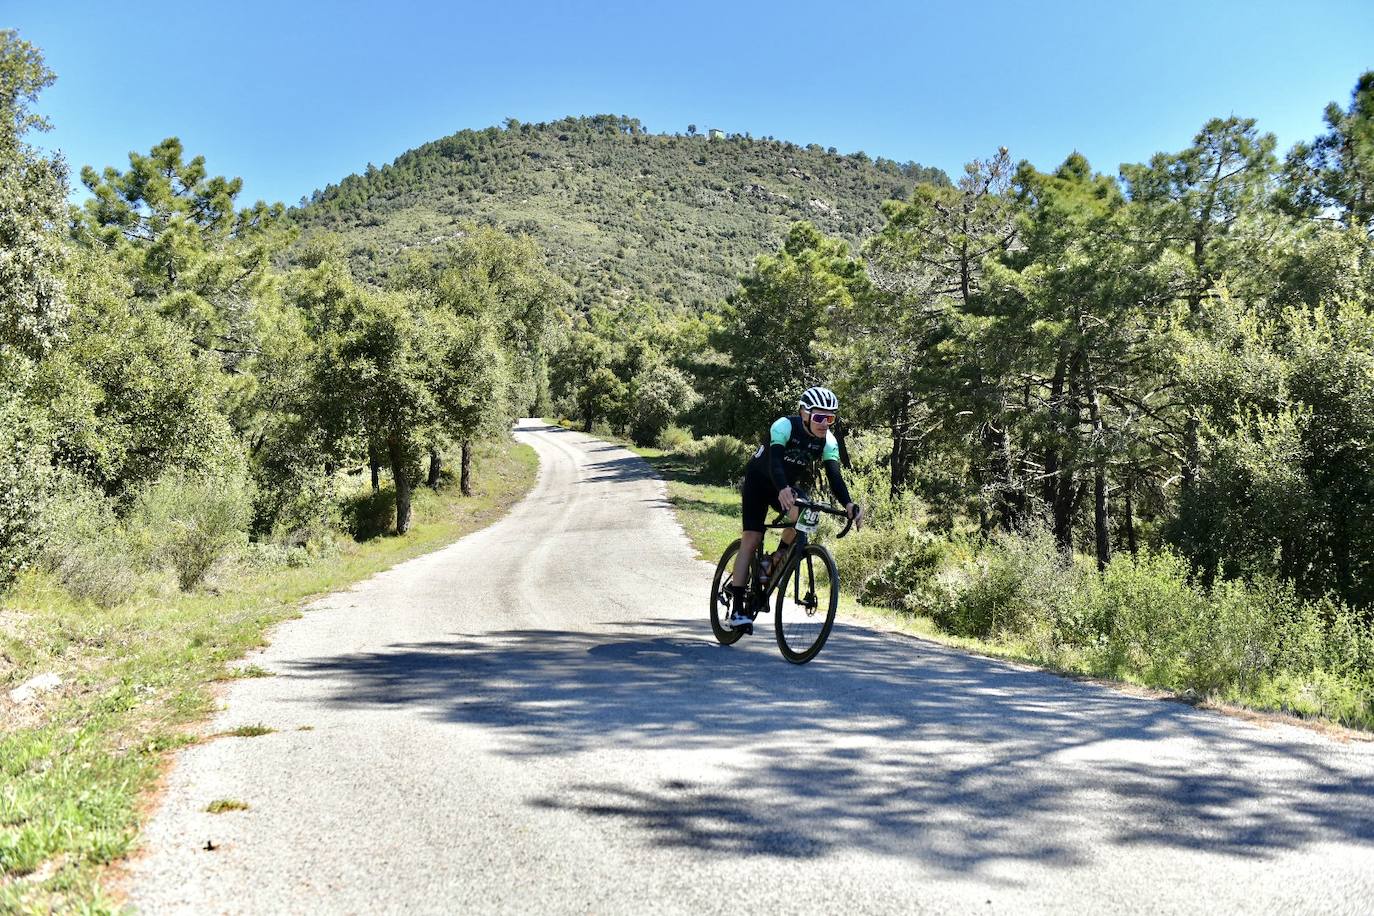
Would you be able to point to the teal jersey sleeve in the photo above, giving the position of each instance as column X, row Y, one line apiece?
column 780, row 432
column 832, row 448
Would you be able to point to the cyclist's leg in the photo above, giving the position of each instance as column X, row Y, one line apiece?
column 754, row 504
column 748, row 543
column 785, row 543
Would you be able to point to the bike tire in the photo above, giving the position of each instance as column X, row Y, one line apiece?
column 720, row 603
column 802, row 626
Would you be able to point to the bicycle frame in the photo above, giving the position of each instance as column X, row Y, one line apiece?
column 775, row 579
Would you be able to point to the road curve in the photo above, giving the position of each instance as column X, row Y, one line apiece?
column 536, row 719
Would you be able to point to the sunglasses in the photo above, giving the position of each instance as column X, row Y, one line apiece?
column 824, row 419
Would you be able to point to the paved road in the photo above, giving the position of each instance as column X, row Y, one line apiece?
column 536, row 719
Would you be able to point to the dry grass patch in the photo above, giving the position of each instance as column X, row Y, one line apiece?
column 221, row 805
column 246, row 731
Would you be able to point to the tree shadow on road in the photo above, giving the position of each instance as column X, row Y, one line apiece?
column 887, row 744
column 618, row 470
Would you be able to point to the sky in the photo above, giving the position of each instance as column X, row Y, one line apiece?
column 292, row 95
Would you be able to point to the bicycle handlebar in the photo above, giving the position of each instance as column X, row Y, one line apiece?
column 829, row 510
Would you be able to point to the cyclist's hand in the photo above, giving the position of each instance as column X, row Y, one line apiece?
column 787, row 498
column 857, row 514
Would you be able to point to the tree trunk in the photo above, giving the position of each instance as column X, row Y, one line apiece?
column 1065, row 495
column 1065, row 491
column 435, row 468
column 991, row 483
column 898, row 464
column 465, row 475
column 1013, row 496
column 1050, row 484
column 1130, row 521
column 1192, row 455
column 400, row 474
column 1101, row 518
column 375, row 463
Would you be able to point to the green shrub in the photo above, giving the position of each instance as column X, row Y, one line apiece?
column 1318, row 693
column 869, row 481
column 1137, row 615
column 863, row 553
column 24, row 482
column 721, row 458
column 1146, row 618
column 368, row 514
column 1349, row 643
column 661, row 394
column 309, row 515
column 1230, row 643
column 87, row 548
column 674, row 439
column 266, row 555
column 1143, row 618
column 896, row 569
column 186, row 522
column 1021, row 583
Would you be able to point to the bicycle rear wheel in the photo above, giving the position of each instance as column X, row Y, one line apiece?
column 808, row 597
column 720, row 597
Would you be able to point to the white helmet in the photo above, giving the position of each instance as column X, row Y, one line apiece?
column 818, row 398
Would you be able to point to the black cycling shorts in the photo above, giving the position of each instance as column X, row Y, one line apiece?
column 757, row 496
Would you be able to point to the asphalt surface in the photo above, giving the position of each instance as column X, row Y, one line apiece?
column 537, row 719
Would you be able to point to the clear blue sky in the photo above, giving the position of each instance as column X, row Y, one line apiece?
column 294, row 94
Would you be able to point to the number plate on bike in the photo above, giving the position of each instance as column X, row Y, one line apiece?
column 808, row 521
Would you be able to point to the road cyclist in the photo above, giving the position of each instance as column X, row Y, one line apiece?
column 777, row 477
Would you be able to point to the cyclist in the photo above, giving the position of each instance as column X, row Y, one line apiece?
column 787, row 459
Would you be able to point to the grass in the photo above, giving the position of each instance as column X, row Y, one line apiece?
column 77, row 764
column 249, row 671
column 247, row 731
column 221, row 805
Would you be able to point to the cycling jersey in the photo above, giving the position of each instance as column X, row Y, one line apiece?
column 789, row 458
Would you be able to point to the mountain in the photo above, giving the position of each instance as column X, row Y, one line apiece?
column 623, row 213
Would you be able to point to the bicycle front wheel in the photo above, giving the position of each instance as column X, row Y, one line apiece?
column 808, row 597
column 720, row 598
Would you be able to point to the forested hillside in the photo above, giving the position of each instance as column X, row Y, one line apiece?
column 622, row 213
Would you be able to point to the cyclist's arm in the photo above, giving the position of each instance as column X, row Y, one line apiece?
column 837, row 487
column 778, row 434
column 830, row 457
